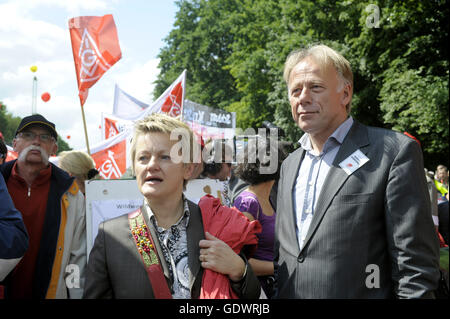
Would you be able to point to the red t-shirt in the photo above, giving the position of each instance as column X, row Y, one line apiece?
column 31, row 201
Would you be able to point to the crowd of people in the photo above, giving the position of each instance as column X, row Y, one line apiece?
column 349, row 214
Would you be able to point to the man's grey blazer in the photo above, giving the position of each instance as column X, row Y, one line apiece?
column 372, row 234
column 115, row 268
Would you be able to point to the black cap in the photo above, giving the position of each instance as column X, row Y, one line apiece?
column 37, row 120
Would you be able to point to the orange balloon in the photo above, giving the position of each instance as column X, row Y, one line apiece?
column 45, row 96
column 68, row 137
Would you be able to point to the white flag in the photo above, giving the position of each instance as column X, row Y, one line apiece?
column 127, row 106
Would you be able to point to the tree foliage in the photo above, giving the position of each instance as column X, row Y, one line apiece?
column 234, row 52
column 8, row 124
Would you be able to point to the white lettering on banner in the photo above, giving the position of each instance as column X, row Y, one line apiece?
column 220, row 118
column 109, row 167
column 199, row 116
column 91, row 59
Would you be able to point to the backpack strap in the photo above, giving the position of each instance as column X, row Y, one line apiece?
column 146, row 248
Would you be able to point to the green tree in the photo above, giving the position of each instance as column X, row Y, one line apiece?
column 418, row 103
column 62, row 145
column 252, row 27
column 8, row 124
column 200, row 43
column 404, row 63
column 234, row 51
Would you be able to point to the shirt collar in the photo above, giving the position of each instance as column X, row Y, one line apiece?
column 151, row 215
column 42, row 178
column 338, row 136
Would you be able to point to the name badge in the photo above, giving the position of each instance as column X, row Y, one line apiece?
column 353, row 162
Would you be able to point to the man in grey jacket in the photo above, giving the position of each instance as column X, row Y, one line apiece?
column 353, row 214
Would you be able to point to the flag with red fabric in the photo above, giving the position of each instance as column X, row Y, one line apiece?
column 173, row 102
column 110, row 127
column 95, row 47
column 170, row 102
column 232, row 227
column 11, row 155
column 110, row 156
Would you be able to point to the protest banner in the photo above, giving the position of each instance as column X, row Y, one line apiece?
column 208, row 122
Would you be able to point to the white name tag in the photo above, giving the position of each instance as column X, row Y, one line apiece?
column 353, row 162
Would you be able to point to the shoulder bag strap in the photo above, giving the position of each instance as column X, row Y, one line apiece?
column 146, row 248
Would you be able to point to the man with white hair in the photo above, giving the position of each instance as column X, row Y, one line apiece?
column 53, row 211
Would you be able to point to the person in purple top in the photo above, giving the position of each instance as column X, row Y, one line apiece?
column 259, row 166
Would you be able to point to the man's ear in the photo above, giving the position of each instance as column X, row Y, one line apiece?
column 347, row 94
column 54, row 149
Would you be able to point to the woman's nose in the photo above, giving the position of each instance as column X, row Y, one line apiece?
column 153, row 163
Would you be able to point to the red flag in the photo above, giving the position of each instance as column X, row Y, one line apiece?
column 171, row 101
column 113, row 125
column 110, row 127
column 110, row 156
column 11, row 155
column 172, row 105
column 95, row 47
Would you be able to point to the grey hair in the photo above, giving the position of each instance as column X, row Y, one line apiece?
column 324, row 56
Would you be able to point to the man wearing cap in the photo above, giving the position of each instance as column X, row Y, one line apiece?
column 53, row 211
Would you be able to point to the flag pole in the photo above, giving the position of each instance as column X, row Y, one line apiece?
column 33, row 97
column 85, row 130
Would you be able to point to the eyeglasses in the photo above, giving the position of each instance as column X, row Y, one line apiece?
column 30, row 136
column 3, row 155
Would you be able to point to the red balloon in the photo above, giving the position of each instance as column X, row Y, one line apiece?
column 45, row 96
column 68, row 137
